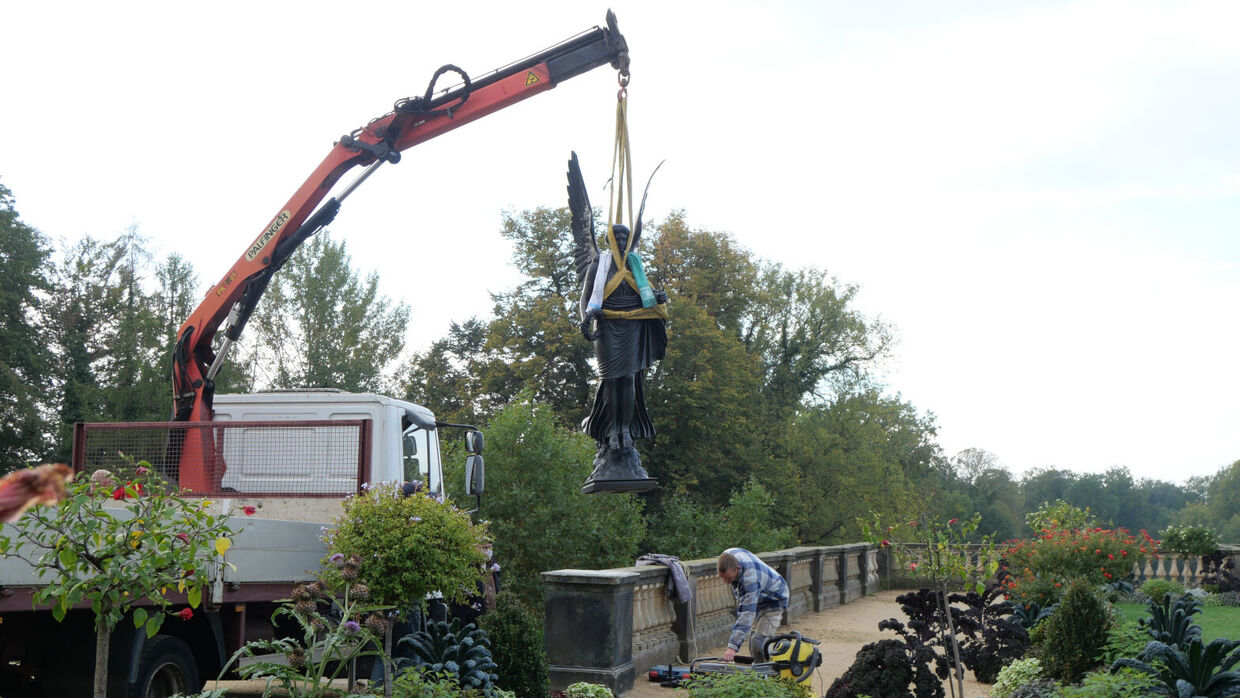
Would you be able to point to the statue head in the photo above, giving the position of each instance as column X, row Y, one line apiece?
column 621, row 233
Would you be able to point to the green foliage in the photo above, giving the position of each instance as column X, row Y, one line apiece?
column 581, row 689
column 1072, row 638
column 1193, row 671
column 517, row 646
column 943, row 554
column 1172, row 623
column 1041, row 688
column 25, row 361
column 745, row 684
column 336, row 628
column 462, row 653
column 858, row 455
column 118, row 540
column 1157, row 588
column 411, row 546
column 321, row 325
column 1014, row 675
column 426, row 684
column 691, row 531
column 1124, row 683
column 539, row 518
column 1125, row 639
column 1059, row 516
column 1193, row 541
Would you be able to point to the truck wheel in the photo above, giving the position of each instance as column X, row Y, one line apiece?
column 166, row 668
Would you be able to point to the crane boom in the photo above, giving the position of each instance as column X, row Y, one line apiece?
column 230, row 302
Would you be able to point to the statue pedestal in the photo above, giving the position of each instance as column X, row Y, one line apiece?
column 618, row 470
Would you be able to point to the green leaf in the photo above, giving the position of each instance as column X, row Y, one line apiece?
column 194, row 596
column 139, row 617
column 153, row 623
column 58, row 612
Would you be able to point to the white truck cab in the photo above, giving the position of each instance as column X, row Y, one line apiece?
column 404, row 443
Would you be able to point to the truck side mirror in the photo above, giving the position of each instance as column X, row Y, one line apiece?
column 474, row 475
column 474, row 441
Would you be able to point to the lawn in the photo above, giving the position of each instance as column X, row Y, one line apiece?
column 1215, row 621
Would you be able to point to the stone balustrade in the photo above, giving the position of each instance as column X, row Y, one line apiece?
column 610, row 626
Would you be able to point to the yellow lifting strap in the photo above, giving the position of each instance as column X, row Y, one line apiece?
column 620, row 198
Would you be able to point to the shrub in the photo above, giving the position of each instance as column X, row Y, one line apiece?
column 1155, row 589
column 1040, row 568
column 882, row 668
column 517, row 647
column 1218, row 572
column 991, row 638
column 1125, row 683
column 423, row 684
column 745, row 684
column 1073, row 636
column 581, row 689
column 1123, row 640
column 1015, row 675
column 1194, row 541
column 412, row 546
column 1059, row 516
column 1042, row 688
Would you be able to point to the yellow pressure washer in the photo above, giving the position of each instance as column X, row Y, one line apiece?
column 790, row 655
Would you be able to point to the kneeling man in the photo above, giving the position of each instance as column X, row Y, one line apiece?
column 761, row 598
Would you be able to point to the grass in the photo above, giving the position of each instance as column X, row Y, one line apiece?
column 1215, row 621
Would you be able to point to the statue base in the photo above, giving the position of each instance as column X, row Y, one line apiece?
column 618, row 470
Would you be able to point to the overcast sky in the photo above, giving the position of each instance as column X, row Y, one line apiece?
column 1042, row 198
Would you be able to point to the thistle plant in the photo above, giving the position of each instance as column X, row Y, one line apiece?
column 337, row 627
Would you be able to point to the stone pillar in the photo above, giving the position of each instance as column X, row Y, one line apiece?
column 589, row 627
column 781, row 562
column 815, row 579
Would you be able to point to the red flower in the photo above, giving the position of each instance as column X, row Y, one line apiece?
column 1098, row 551
column 1110, row 556
column 183, row 537
column 1106, row 574
column 884, row 543
column 185, row 613
column 249, row 510
column 952, row 521
column 119, row 493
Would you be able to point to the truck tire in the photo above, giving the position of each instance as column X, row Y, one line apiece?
column 166, row 667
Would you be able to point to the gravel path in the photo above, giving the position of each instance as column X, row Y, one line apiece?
column 841, row 631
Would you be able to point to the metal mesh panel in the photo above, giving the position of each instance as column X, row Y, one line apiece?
column 282, row 458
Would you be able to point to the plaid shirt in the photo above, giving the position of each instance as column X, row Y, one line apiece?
column 757, row 588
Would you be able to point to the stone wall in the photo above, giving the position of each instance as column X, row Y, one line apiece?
column 612, row 626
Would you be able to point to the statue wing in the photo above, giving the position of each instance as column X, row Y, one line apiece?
column 585, row 249
column 637, row 224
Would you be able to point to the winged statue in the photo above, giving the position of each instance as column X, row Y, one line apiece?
column 626, row 319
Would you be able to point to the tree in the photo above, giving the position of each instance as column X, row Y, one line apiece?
column 25, row 358
column 859, row 454
column 119, row 562
column 538, row 516
column 321, row 325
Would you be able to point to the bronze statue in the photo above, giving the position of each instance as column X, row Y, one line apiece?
column 627, row 321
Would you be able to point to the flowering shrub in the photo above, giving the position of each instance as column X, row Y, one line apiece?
column 120, row 559
column 1040, row 568
column 1060, row 516
column 1194, row 541
column 1015, row 675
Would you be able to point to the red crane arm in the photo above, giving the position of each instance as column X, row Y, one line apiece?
column 412, row 121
